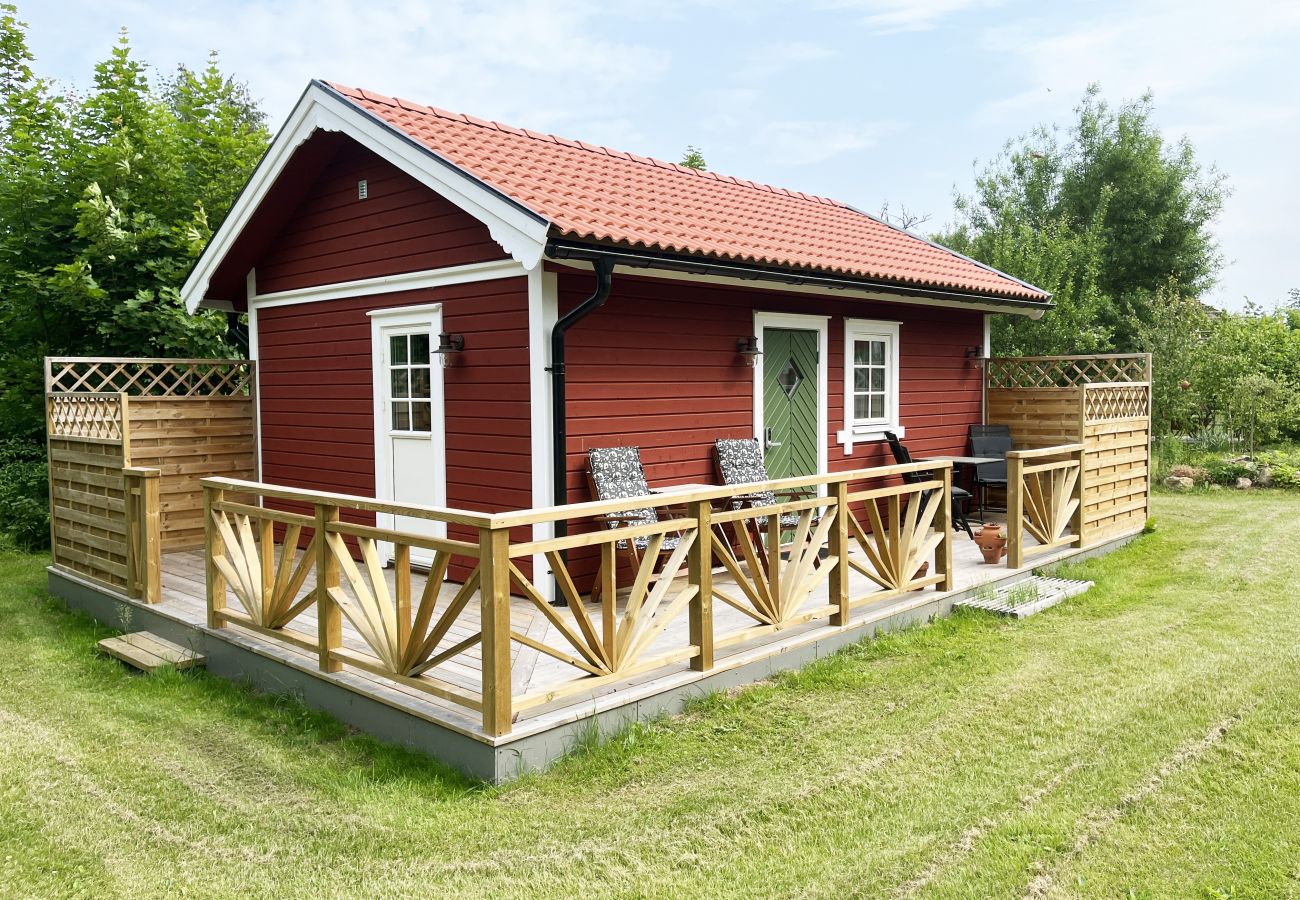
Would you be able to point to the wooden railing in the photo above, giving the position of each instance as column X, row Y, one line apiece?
column 1045, row 499
column 281, row 565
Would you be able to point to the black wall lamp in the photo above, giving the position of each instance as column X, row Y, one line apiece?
column 449, row 346
column 748, row 348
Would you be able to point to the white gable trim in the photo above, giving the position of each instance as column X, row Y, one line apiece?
column 520, row 232
column 389, row 284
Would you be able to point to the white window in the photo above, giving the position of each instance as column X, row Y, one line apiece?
column 870, row 379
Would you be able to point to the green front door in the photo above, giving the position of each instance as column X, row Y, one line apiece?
column 790, row 401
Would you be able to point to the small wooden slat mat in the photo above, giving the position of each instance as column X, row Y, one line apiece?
column 149, row 653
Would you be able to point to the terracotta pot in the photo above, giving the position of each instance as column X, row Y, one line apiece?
column 992, row 542
column 923, row 571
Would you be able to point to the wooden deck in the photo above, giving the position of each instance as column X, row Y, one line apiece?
column 183, row 597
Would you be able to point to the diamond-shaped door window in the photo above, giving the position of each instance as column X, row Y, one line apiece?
column 790, row 378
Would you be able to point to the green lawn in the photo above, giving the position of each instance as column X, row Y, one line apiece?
column 1140, row 740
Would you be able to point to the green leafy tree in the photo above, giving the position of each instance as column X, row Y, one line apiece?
column 694, row 159
column 106, row 200
column 1145, row 205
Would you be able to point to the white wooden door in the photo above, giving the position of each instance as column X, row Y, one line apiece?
column 411, row 445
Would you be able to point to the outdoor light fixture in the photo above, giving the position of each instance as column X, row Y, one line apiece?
column 748, row 348
column 976, row 356
column 448, row 346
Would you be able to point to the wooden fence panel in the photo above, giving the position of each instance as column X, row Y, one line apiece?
column 88, row 508
column 188, row 439
column 1037, row 417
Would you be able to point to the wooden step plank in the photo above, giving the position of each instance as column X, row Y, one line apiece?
column 148, row 652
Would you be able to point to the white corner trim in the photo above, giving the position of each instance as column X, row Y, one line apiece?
column 389, row 284
column 543, row 311
column 871, row 431
column 250, row 283
column 801, row 322
column 519, row 232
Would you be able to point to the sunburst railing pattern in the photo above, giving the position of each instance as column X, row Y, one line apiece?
column 1044, row 499
column 287, row 556
column 774, row 555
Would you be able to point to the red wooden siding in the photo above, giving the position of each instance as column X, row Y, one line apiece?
column 317, row 399
column 402, row 226
column 657, row 367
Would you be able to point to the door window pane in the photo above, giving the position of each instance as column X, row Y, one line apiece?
column 421, row 418
column 420, row 349
column 420, row 381
column 410, row 382
column 401, row 383
column 401, row 416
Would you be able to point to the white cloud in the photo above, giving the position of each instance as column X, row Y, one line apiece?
column 803, row 142
column 536, row 63
column 897, row 16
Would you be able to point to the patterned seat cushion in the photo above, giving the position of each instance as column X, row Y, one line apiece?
column 740, row 460
column 618, row 474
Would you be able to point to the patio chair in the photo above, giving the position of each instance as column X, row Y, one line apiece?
column 960, row 496
column 992, row 441
column 616, row 473
column 739, row 462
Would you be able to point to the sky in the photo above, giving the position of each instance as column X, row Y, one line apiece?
column 866, row 101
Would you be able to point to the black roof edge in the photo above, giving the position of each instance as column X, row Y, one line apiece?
column 696, row 265
column 962, row 256
column 428, row 151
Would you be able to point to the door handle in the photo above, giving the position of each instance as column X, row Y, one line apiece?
column 767, row 439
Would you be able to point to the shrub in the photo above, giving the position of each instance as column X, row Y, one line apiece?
column 24, row 494
column 1222, row 471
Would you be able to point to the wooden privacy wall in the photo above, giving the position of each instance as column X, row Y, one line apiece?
column 88, row 527
column 186, row 418
column 188, row 438
column 1103, row 402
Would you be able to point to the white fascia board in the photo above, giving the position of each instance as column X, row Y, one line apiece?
column 390, row 284
column 849, row 294
column 521, row 233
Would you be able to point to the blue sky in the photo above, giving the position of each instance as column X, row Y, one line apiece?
column 867, row 101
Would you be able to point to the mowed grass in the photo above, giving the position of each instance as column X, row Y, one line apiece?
column 1140, row 740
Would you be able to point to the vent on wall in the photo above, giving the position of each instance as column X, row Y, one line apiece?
column 363, row 189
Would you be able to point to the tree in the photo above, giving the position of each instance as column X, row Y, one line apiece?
column 106, row 200
column 1145, row 205
column 693, row 159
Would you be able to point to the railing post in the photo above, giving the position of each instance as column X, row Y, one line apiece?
column 838, row 547
column 214, row 546
column 1015, row 511
column 150, row 525
column 943, row 553
column 494, row 621
column 700, row 614
column 329, row 618
column 1077, row 523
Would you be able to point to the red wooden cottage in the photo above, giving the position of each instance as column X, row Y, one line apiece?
column 437, row 303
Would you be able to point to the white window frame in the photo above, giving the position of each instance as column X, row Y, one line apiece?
column 865, row 431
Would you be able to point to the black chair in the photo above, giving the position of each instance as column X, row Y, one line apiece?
column 991, row 441
column 960, row 496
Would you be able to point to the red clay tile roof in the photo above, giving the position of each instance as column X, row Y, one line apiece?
column 597, row 194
